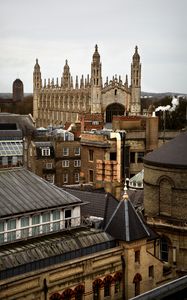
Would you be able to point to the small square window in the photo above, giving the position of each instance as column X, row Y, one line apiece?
column 49, row 166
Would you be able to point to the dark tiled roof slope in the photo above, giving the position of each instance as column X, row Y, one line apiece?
column 125, row 224
column 171, row 154
column 96, row 203
column 22, row 191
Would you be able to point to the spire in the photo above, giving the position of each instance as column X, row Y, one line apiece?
column 136, row 56
column 96, row 56
column 76, row 83
column 66, row 75
column 125, row 223
column 125, row 195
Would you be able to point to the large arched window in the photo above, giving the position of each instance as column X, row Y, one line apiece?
column 79, row 292
column 97, row 284
column 114, row 109
column 107, row 285
column 55, row 296
column 67, row 294
column 136, row 281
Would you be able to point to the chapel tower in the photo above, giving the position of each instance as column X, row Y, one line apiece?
column 135, row 84
column 66, row 76
column 96, row 82
column 37, row 85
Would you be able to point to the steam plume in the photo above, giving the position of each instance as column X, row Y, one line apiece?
column 172, row 107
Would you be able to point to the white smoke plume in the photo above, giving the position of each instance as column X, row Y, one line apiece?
column 172, row 107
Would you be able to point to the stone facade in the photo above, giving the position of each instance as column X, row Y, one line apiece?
column 165, row 194
column 58, row 102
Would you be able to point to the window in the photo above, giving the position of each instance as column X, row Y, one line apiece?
column 67, row 217
column 136, row 281
column 65, row 163
column 77, row 176
column 151, row 271
column 65, row 178
column 35, row 220
column 56, row 216
column 107, row 285
column 140, row 156
column 117, row 287
column 77, row 163
column 115, row 92
column 77, row 151
column 90, row 155
column 24, row 222
column 49, row 166
column 45, row 219
column 97, row 284
column 46, row 151
column 137, row 256
column 90, row 175
column 132, row 157
column 11, row 224
column 50, row 178
column 65, row 151
column 2, row 228
column 164, row 249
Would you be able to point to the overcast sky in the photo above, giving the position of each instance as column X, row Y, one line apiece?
column 56, row 30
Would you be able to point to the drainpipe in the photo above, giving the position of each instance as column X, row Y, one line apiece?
column 117, row 136
column 120, row 136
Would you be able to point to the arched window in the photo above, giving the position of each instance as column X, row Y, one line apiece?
column 79, row 292
column 67, row 294
column 117, row 282
column 136, row 281
column 97, row 284
column 55, row 296
column 107, row 285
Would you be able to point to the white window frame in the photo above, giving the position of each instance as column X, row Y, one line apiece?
column 65, row 151
column 65, row 163
column 45, row 151
column 49, row 165
column 77, row 152
column 65, row 177
column 77, row 177
column 77, row 163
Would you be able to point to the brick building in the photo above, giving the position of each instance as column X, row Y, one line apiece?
column 55, row 157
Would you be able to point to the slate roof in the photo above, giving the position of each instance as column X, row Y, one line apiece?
column 172, row 154
column 45, row 252
column 102, row 205
column 125, row 224
column 22, row 191
column 23, row 122
column 96, row 202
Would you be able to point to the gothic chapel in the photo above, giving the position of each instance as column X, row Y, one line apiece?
column 60, row 102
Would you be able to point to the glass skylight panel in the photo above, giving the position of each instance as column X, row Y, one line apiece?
column 8, row 148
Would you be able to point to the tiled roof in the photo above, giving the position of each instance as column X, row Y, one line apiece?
column 96, row 203
column 22, row 191
column 125, row 224
column 171, row 154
